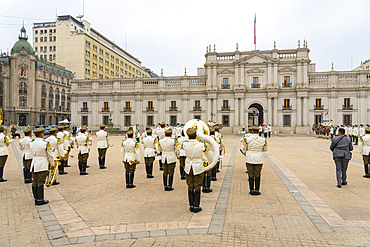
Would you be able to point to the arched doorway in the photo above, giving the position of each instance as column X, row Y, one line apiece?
column 22, row 120
column 255, row 114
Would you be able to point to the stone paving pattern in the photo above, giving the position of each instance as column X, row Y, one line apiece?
column 300, row 204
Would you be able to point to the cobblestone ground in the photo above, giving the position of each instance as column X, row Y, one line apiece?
column 300, row 204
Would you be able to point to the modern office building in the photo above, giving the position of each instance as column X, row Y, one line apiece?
column 77, row 46
column 277, row 87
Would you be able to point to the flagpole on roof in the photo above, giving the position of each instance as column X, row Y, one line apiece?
column 255, row 40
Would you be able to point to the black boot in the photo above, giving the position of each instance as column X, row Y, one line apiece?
column 84, row 167
column 28, row 176
column 61, row 167
column 197, row 201
column 218, row 166
column 25, row 175
column 40, row 196
column 99, row 160
column 208, row 184
column 147, row 170
column 204, row 185
column 80, row 168
column 191, row 200
column 131, row 185
column 127, row 180
column 170, row 182
column 66, row 164
column 150, row 169
column 367, row 175
column 251, row 185
column 165, row 182
column 1, row 174
column 55, row 182
column 34, row 192
column 214, row 173
column 257, row 183
column 182, row 173
column 102, row 166
column 160, row 165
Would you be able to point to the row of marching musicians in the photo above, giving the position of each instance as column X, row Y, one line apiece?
column 192, row 154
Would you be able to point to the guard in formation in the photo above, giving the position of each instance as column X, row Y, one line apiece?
column 182, row 155
column 130, row 154
column 62, row 136
column 68, row 144
column 160, row 134
column 364, row 149
column 252, row 147
column 103, row 144
column 84, row 141
column 57, row 148
column 24, row 146
column 42, row 156
column 4, row 143
column 150, row 149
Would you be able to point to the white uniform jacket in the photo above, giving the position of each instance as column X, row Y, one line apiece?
column 83, row 142
column 364, row 145
column 253, row 146
column 102, row 138
column 68, row 140
column 130, row 150
column 355, row 131
column 62, row 137
column 160, row 133
column 178, row 131
column 150, row 145
column 56, row 146
column 194, row 151
column 169, row 148
column 4, row 143
column 361, row 132
column 245, row 136
column 24, row 146
column 181, row 141
column 41, row 155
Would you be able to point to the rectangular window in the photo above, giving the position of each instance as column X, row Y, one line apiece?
column 197, row 106
column 149, row 120
column 287, row 105
column 150, row 106
column 255, row 83
column 287, row 120
column 106, row 107
column 36, row 31
column 105, row 120
column 41, row 39
column 54, row 48
column 225, row 83
column 173, row 106
column 347, row 119
column 286, row 82
column 225, row 120
column 50, row 48
column 84, row 106
column 41, row 48
column 128, row 120
column 347, row 104
column 84, row 120
column 51, row 38
column 128, row 106
column 173, row 120
column 197, row 117
column 36, row 39
column 318, row 105
column 225, row 105
column 55, row 38
column 35, row 49
column 318, row 118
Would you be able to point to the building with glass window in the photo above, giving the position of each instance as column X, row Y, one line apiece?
column 78, row 47
column 276, row 87
column 32, row 92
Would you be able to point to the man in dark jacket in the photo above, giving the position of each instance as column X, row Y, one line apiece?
column 341, row 147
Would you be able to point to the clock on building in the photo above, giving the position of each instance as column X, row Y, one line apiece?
column 23, row 59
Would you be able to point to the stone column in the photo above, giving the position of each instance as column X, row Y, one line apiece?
column 236, row 112
column 305, row 112
column 299, row 112
column 276, row 122
column 242, row 114
column 209, row 110
column 269, row 112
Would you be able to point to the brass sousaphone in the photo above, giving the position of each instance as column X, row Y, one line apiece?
column 203, row 135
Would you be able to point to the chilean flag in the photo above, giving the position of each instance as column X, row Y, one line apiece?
column 254, row 28
column 22, row 72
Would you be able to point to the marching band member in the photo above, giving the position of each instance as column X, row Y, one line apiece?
column 169, row 149
column 62, row 136
column 103, row 144
column 161, row 135
column 130, row 154
column 364, row 149
column 207, row 174
column 253, row 146
column 42, row 156
column 150, row 148
column 24, row 146
column 68, row 144
column 83, row 142
column 4, row 143
column 57, row 148
column 182, row 155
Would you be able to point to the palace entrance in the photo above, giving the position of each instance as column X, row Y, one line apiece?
column 255, row 114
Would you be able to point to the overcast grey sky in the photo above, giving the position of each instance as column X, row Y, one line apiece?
column 173, row 34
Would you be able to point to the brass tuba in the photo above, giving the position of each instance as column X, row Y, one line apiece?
column 53, row 172
column 203, row 135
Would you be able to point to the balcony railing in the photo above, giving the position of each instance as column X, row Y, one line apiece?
column 287, row 84
column 173, row 108
column 225, row 86
column 197, row 108
column 225, row 108
column 255, row 85
column 287, row 107
column 127, row 109
column 318, row 107
column 105, row 109
column 347, row 107
column 150, row 109
column 84, row 109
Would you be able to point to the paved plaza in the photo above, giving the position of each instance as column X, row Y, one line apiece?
column 300, row 204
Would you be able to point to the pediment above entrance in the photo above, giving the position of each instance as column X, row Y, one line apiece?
column 255, row 58
column 226, row 71
column 256, row 70
column 287, row 69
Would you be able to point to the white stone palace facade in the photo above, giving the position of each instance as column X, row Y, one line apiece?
column 279, row 87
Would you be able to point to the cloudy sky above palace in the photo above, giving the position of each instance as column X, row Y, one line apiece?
column 173, row 34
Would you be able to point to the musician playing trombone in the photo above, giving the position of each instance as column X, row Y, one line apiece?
column 4, row 143
column 56, row 147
